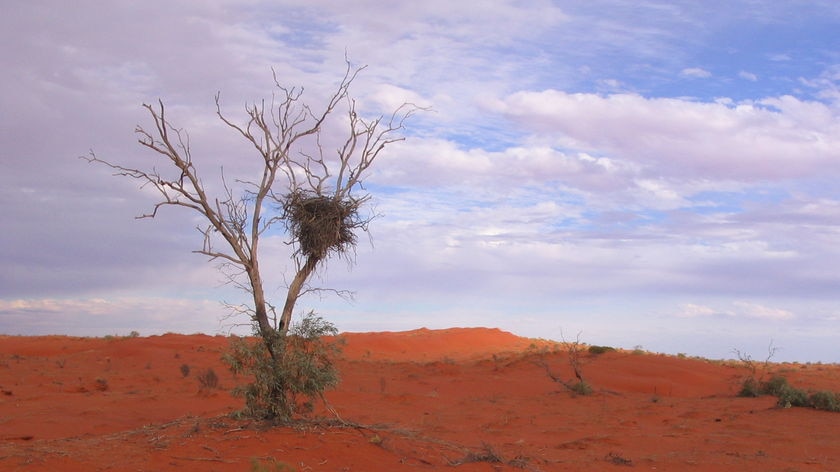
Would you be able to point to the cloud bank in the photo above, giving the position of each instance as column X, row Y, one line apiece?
column 649, row 173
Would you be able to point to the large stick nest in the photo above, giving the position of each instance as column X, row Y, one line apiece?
column 321, row 225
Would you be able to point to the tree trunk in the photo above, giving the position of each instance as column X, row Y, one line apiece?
column 267, row 332
column 294, row 292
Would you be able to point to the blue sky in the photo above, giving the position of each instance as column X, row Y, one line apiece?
column 644, row 173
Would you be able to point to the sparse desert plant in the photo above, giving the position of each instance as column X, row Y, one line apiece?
column 573, row 350
column 271, row 465
column 753, row 383
column 750, row 388
column 824, row 400
column 789, row 396
column 617, row 459
column 208, row 380
column 776, row 386
column 600, row 349
column 185, row 370
column 101, row 384
column 580, row 388
column 486, row 454
column 298, row 369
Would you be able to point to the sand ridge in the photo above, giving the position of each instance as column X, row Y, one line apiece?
column 473, row 399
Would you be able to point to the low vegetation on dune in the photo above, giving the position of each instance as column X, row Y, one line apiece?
column 469, row 399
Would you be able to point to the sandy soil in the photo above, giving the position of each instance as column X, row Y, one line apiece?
column 469, row 399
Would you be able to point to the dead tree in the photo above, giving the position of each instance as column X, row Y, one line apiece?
column 315, row 193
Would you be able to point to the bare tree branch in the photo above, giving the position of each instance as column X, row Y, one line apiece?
column 296, row 182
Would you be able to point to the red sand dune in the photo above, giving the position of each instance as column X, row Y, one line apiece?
column 471, row 399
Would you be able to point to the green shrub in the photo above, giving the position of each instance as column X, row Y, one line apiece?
column 286, row 383
column 580, row 388
column 824, row 400
column 750, row 388
column 776, row 386
column 790, row 396
column 600, row 349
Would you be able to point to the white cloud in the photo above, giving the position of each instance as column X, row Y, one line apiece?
column 695, row 73
column 692, row 310
column 755, row 310
column 503, row 197
column 681, row 139
column 738, row 309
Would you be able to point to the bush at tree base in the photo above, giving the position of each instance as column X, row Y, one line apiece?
column 286, row 384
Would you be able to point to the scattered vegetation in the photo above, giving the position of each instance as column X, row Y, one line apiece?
column 824, row 400
column 208, row 380
column 101, row 384
column 574, row 350
column 489, row 455
column 617, row 459
column 288, row 378
column 185, row 370
column 755, row 385
column 271, row 465
column 580, row 387
column 600, row 349
column 111, row 337
column 789, row 396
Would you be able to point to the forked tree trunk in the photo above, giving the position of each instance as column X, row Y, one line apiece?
column 294, row 292
column 267, row 332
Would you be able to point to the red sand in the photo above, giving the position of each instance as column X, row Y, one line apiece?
column 474, row 399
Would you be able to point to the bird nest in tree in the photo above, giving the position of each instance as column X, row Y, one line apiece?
column 321, row 224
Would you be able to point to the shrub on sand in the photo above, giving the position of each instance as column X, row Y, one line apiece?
column 300, row 370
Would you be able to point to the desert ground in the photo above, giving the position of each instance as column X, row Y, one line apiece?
column 470, row 399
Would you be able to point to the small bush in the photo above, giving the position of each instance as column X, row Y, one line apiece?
column 286, row 383
column 751, row 388
column 101, row 384
column 185, row 370
column 790, row 396
column 776, row 386
column 486, row 454
column 271, row 465
column 208, row 379
column 824, row 400
column 580, row 388
column 600, row 349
